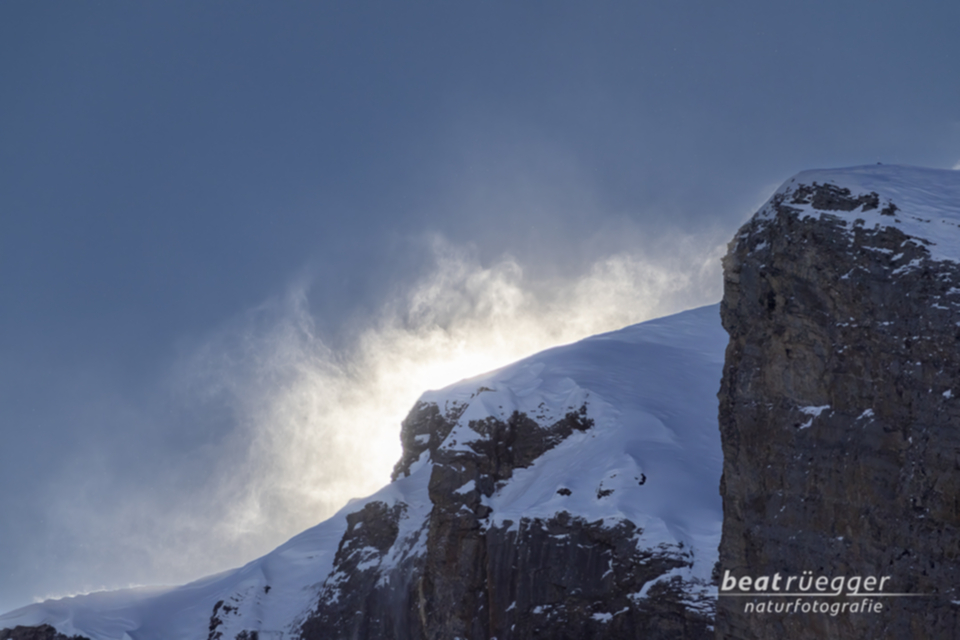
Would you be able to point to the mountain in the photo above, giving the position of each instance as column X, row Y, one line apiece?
column 840, row 405
column 572, row 494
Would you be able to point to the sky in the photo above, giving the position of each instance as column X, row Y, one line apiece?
column 239, row 239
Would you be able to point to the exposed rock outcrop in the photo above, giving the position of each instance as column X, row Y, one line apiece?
column 360, row 599
column 42, row 632
column 559, row 577
column 840, row 401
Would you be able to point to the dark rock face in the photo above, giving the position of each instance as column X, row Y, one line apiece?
column 424, row 429
column 43, row 632
column 567, row 578
column 561, row 577
column 359, row 600
column 840, row 416
column 506, row 445
column 223, row 611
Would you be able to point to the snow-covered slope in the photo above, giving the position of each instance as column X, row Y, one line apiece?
column 643, row 453
column 922, row 203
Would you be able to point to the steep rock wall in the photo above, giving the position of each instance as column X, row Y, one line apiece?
column 561, row 577
column 43, row 632
column 840, row 408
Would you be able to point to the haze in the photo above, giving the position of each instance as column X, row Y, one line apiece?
column 237, row 240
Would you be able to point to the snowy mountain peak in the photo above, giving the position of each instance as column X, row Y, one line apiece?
column 575, row 489
column 924, row 204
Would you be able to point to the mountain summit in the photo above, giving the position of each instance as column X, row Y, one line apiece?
column 840, row 403
column 572, row 494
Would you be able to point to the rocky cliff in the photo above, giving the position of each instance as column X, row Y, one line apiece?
column 539, row 519
column 560, row 576
column 42, row 632
column 840, row 402
column 573, row 494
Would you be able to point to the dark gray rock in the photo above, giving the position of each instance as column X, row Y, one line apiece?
column 858, row 325
column 561, row 577
column 567, row 578
column 424, row 429
column 223, row 611
column 43, row 632
column 359, row 600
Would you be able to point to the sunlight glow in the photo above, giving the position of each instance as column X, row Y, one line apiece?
column 324, row 426
column 311, row 427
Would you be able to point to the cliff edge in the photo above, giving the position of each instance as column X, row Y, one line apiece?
column 840, row 409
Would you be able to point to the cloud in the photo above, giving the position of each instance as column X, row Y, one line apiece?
column 301, row 427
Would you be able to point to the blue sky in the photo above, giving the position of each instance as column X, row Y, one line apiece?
column 210, row 211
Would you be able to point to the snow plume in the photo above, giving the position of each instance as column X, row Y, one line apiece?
column 301, row 427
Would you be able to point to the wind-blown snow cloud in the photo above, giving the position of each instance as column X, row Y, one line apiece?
column 309, row 426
